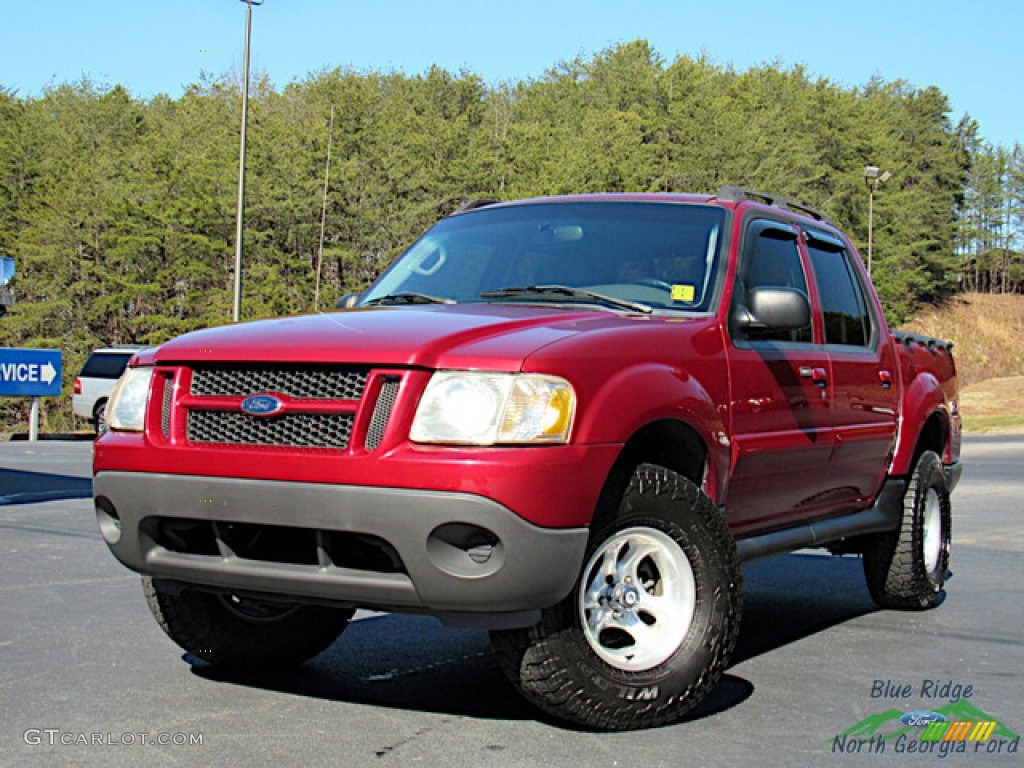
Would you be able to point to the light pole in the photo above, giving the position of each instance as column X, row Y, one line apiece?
column 236, row 306
column 873, row 176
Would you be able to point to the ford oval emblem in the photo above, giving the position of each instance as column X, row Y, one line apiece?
column 922, row 719
column 262, row 405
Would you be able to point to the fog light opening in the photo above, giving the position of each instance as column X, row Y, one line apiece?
column 465, row 550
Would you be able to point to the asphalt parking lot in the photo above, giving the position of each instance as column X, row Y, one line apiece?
column 87, row 677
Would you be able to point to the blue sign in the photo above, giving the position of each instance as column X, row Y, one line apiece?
column 30, row 372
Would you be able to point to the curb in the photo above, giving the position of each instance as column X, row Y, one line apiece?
column 78, row 436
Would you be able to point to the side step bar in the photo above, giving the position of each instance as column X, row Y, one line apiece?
column 885, row 515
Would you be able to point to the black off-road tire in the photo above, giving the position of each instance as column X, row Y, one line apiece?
column 243, row 635
column 665, row 560
column 906, row 569
column 99, row 417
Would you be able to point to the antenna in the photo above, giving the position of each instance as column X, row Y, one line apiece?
column 323, row 214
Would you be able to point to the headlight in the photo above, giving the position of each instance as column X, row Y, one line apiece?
column 126, row 408
column 488, row 408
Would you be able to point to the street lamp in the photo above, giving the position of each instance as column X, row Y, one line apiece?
column 236, row 306
column 873, row 176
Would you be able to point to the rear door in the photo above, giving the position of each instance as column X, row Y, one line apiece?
column 864, row 374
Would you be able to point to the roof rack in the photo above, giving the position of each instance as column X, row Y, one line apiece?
column 470, row 205
column 735, row 194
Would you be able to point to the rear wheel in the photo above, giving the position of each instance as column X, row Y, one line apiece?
column 240, row 633
column 906, row 569
column 650, row 626
column 99, row 416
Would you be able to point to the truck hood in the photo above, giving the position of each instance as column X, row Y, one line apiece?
column 491, row 336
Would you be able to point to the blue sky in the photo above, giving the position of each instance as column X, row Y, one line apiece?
column 971, row 49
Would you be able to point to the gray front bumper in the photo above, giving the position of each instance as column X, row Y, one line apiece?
column 521, row 569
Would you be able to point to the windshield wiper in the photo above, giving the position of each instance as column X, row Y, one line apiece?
column 565, row 291
column 407, row 297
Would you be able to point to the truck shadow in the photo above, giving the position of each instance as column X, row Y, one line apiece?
column 415, row 663
column 792, row 597
column 20, row 487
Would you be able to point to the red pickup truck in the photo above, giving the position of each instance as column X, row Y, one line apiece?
column 567, row 420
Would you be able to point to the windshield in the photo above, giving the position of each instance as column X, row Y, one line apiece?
column 660, row 256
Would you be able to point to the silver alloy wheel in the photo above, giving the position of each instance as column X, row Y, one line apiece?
column 637, row 599
column 932, row 534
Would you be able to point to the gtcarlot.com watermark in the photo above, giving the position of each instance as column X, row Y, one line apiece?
column 35, row 737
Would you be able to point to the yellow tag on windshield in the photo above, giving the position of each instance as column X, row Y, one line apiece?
column 683, row 293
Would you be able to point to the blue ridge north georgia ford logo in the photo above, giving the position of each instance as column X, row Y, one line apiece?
column 262, row 405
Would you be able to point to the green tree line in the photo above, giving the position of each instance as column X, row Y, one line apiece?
column 120, row 211
column 991, row 236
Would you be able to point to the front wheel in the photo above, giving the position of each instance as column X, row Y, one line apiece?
column 906, row 569
column 650, row 626
column 240, row 633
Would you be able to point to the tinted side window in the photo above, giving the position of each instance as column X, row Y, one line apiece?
column 773, row 259
column 842, row 300
column 106, row 366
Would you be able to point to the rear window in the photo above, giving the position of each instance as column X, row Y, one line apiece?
column 847, row 320
column 106, row 365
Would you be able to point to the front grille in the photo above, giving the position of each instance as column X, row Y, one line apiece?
column 167, row 381
column 301, row 430
column 314, row 382
column 382, row 412
column 296, row 427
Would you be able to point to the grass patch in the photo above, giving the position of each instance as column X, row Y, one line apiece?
column 985, row 425
column 993, row 405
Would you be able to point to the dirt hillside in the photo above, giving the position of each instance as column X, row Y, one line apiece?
column 988, row 337
column 988, row 333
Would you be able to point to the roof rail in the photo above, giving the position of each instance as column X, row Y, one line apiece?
column 470, row 205
column 735, row 194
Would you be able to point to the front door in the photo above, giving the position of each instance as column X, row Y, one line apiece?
column 781, row 398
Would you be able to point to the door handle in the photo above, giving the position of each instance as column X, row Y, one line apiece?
column 818, row 375
column 885, row 377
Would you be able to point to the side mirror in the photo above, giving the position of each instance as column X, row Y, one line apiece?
column 348, row 301
column 773, row 308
